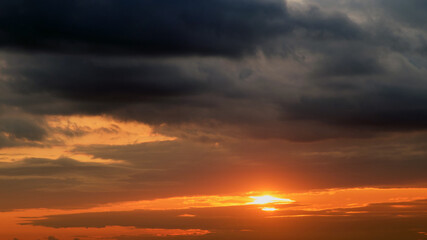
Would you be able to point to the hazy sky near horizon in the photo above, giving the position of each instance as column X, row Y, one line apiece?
column 107, row 102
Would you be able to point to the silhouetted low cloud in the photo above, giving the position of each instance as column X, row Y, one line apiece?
column 398, row 220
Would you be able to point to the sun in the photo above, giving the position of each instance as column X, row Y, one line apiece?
column 269, row 209
column 266, row 199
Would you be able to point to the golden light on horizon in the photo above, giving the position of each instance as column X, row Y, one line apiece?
column 269, row 209
column 266, row 199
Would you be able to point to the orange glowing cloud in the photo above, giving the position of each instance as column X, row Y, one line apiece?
column 66, row 132
column 84, row 130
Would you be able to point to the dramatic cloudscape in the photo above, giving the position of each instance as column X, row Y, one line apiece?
column 213, row 119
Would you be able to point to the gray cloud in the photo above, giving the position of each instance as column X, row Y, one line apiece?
column 22, row 128
column 116, row 81
column 410, row 12
column 324, row 45
column 18, row 129
column 59, row 167
column 159, row 28
column 245, row 164
column 60, row 183
column 151, row 27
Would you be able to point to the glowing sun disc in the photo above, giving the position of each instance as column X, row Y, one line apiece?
column 269, row 199
column 269, row 209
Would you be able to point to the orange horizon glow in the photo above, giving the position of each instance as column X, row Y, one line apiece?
column 103, row 130
column 327, row 199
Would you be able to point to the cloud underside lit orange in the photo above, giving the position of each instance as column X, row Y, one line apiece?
column 210, row 217
column 250, row 222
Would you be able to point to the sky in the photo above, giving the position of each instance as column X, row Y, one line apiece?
column 213, row 119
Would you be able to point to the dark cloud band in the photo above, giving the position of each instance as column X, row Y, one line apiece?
column 149, row 27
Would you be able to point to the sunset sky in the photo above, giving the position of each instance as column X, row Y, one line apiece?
column 213, row 120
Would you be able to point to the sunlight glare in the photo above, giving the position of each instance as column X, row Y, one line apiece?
column 269, row 209
column 269, row 199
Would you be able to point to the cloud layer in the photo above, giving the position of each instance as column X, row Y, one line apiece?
column 399, row 220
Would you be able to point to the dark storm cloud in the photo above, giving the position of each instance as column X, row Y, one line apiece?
column 82, row 79
column 317, row 25
column 411, row 12
column 152, row 91
column 159, row 28
column 348, row 64
column 375, row 221
column 152, row 27
column 78, row 85
column 380, row 108
column 346, row 75
column 164, row 90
